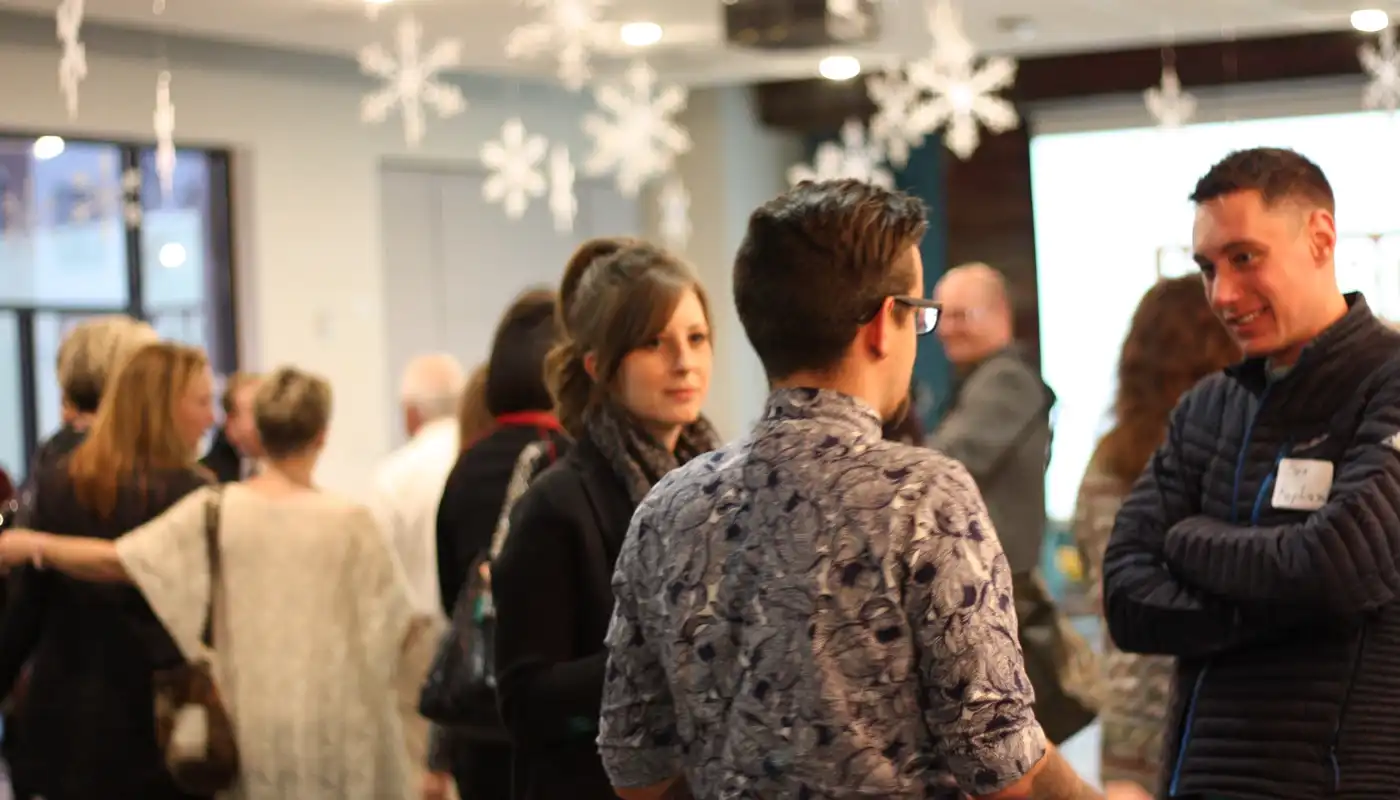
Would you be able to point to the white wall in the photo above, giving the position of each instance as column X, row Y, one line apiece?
column 307, row 206
column 1110, row 202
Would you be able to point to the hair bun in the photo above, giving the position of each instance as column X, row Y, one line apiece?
column 587, row 254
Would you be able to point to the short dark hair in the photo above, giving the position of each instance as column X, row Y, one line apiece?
column 515, row 370
column 1276, row 173
column 814, row 263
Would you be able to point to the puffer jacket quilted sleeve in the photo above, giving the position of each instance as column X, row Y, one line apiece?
column 1147, row 607
column 1343, row 557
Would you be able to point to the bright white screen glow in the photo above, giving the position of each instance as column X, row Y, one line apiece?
column 1109, row 204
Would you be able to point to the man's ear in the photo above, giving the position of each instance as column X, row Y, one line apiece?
column 875, row 334
column 590, row 365
column 1322, row 234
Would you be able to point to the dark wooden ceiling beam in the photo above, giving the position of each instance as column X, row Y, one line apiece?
column 820, row 106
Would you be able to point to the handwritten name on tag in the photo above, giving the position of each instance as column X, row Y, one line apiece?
column 1302, row 484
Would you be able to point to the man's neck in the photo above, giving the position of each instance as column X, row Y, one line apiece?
column 1335, row 309
column 841, row 382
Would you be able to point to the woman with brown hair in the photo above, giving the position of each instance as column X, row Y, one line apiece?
column 84, row 727
column 1173, row 342
column 474, row 418
column 629, row 380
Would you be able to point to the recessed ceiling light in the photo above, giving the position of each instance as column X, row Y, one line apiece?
column 47, row 147
column 641, row 34
column 1370, row 20
column 839, row 68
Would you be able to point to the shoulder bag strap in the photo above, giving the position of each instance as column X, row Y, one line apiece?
column 212, row 507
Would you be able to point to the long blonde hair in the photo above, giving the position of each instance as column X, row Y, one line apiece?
column 134, row 432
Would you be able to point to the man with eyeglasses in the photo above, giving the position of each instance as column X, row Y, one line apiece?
column 813, row 611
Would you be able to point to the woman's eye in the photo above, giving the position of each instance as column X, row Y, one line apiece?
column 699, row 338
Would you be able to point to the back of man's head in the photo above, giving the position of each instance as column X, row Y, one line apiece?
column 432, row 385
column 815, row 263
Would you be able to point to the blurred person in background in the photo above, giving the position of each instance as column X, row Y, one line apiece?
column 404, row 499
column 519, row 410
column 89, row 356
column 474, row 419
column 629, row 378
column 306, row 658
column 84, row 725
column 1173, row 341
column 235, row 450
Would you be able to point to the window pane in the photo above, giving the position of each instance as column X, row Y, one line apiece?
column 181, row 267
column 11, row 399
column 62, row 224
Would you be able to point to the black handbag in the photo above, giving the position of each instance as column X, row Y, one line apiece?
column 460, row 690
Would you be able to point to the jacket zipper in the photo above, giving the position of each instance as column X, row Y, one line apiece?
column 1234, row 520
column 1342, row 712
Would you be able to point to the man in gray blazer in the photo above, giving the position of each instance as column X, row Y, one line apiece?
column 998, row 423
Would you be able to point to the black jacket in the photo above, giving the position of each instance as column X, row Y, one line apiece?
column 1286, row 622
column 552, row 584
column 223, row 459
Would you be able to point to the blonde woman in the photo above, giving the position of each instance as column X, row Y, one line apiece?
column 311, row 616
column 89, row 356
column 83, row 726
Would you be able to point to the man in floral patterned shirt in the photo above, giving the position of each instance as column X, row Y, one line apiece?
column 814, row 612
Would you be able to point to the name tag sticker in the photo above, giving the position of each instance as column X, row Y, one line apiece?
column 1302, row 484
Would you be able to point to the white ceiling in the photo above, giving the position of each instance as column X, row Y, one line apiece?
column 693, row 49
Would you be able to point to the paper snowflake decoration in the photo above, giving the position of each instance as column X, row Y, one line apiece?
column 17, row 215
column 164, row 118
column 513, row 162
column 1168, row 103
column 947, row 89
column 673, row 209
column 854, row 158
column 411, row 80
column 91, row 200
column 1382, row 64
column 72, row 65
column 569, row 30
column 638, row 137
column 563, row 202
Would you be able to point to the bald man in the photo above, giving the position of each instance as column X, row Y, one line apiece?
column 998, row 422
column 407, row 490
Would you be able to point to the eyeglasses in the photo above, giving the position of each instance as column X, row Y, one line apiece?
column 926, row 312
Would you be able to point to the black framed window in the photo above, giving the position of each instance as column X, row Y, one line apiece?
column 86, row 229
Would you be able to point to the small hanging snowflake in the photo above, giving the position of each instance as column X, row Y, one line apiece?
column 164, row 119
column 563, row 203
column 854, row 158
column 1382, row 64
column 1168, row 103
column 849, row 17
column 569, row 30
column 72, row 65
column 673, row 207
column 639, row 138
column 514, row 164
column 412, row 80
column 945, row 89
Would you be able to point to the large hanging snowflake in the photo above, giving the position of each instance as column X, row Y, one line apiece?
column 514, row 163
column 946, row 89
column 72, row 65
column 673, row 207
column 411, row 80
column 563, row 203
column 1168, row 103
column 854, row 157
column 164, row 123
column 90, row 200
column 569, row 30
column 639, row 138
column 1382, row 63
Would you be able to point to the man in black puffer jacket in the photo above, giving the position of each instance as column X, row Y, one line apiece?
column 1262, row 543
